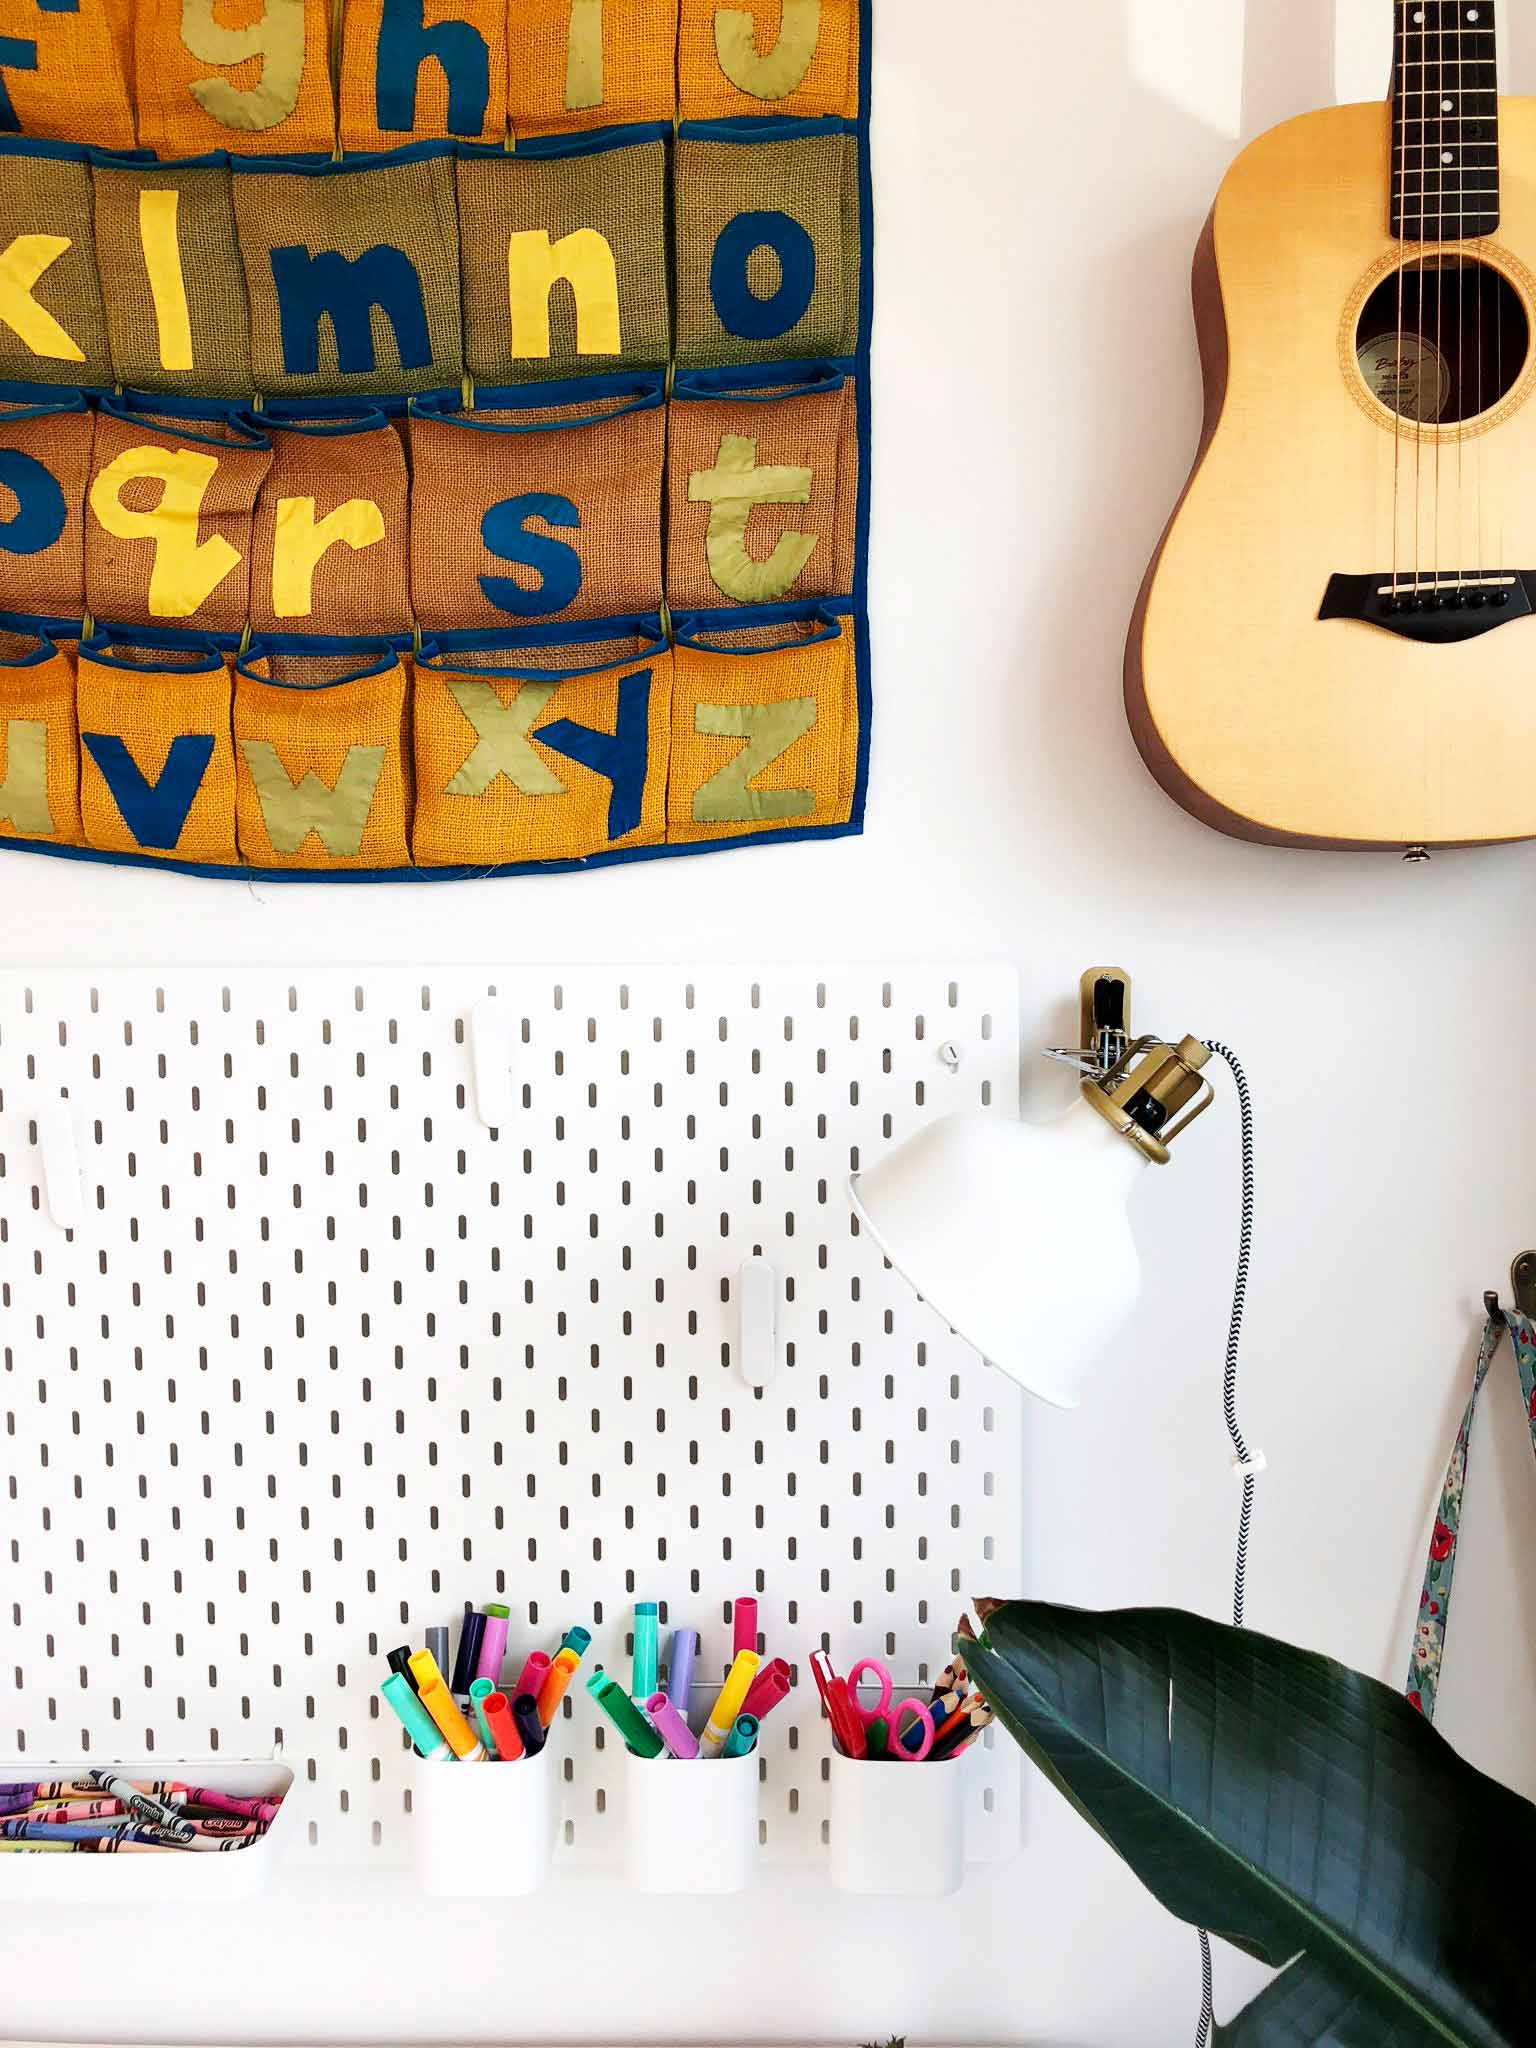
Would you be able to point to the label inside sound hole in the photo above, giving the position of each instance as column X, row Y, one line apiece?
column 1408, row 374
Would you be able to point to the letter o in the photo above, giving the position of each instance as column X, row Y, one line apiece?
column 740, row 310
column 41, row 514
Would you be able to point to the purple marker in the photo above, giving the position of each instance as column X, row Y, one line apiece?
column 671, row 1727
column 525, row 1718
column 493, row 1644
column 685, row 1644
column 466, row 1664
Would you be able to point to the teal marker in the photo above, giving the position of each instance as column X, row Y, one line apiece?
column 624, row 1714
column 577, row 1639
column 642, row 1677
column 742, row 1739
column 479, row 1692
column 414, row 1718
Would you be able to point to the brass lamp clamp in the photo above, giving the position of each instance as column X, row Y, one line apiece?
column 1148, row 1089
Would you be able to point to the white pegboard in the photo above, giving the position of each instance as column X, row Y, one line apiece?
column 325, row 1356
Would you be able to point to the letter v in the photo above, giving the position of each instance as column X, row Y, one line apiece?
column 154, row 812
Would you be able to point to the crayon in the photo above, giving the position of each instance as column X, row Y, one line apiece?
column 265, row 1810
column 17, row 1798
column 80, row 1809
column 143, row 1804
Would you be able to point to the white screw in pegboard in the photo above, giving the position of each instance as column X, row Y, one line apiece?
column 950, row 1055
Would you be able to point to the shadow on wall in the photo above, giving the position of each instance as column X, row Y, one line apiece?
column 1132, row 331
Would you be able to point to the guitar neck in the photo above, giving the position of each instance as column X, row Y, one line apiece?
column 1445, row 121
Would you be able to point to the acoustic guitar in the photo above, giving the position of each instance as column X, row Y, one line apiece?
column 1334, row 645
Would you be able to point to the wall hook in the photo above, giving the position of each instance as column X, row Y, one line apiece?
column 61, row 1163
column 490, row 1058
column 757, row 1296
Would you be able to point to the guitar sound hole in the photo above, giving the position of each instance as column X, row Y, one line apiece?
column 1443, row 340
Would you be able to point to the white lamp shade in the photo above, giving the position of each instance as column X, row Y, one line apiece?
column 1016, row 1234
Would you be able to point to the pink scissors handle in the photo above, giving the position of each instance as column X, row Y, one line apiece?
column 921, row 1711
column 881, row 1709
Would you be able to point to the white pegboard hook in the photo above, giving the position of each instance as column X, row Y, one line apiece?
column 757, row 1293
column 490, row 1056
column 61, row 1163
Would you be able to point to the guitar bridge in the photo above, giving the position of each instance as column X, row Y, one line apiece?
column 1437, row 609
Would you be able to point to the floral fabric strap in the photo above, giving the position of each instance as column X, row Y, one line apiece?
column 1435, row 1601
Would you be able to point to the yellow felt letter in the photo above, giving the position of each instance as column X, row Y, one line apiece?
column 300, row 539
column 584, row 56
column 501, row 739
column 535, row 265
column 24, row 786
column 775, row 75
column 20, row 267
column 186, row 570
column 277, row 39
column 731, row 489
column 167, row 283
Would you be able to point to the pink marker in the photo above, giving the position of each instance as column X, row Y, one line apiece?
column 264, row 1810
column 768, row 1688
column 744, row 1625
column 532, row 1679
column 671, row 1727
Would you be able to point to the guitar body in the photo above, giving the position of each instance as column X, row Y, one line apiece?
column 1359, row 729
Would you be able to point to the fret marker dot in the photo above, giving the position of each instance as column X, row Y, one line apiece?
column 1473, row 13
column 1447, row 106
column 1446, row 157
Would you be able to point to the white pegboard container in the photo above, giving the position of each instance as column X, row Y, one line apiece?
column 486, row 1830
column 898, row 1830
column 171, row 1875
column 322, row 1355
column 691, row 1827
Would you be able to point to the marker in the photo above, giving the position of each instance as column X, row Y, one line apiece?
column 525, row 1719
column 642, row 1671
column 685, row 1646
column 744, row 1625
column 400, row 1660
column 142, row 1804
column 671, row 1727
column 414, row 1718
column 465, row 1665
column 437, row 1643
column 722, row 1715
column 768, row 1688
column 493, row 1645
column 479, row 1692
column 578, row 1639
column 440, row 1704
column 624, row 1714
column 498, row 1713
column 531, row 1677
column 742, row 1739
column 556, row 1679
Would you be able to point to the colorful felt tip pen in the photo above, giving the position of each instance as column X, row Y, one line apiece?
column 768, row 1688
column 671, row 1727
column 642, row 1676
column 578, row 1639
column 685, row 1647
column 414, row 1718
column 498, row 1714
column 493, row 1644
column 437, row 1642
column 556, row 1679
column 535, row 1670
column 400, row 1660
column 722, row 1715
column 744, row 1624
column 742, row 1739
column 467, row 1662
column 525, row 1718
column 479, row 1691
column 624, row 1714
column 440, row 1704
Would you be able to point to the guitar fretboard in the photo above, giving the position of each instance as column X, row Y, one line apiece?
column 1445, row 121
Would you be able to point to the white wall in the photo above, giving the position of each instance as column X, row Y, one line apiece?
column 1042, row 173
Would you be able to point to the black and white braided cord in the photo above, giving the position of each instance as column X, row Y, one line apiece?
column 1234, row 1430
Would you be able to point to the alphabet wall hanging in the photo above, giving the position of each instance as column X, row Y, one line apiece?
column 433, row 437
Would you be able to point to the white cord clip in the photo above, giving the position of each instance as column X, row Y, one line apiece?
column 1251, row 1466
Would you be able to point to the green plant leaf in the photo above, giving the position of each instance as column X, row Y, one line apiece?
column 1294, row 1807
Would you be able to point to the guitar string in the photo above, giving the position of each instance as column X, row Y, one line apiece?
column 1402, row 208
column 1458, row 101
column 1423, row 224
column 1439, row 258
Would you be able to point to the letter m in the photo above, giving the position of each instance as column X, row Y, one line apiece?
column 345, row 290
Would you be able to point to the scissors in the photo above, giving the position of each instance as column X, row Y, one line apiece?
column 897, row 1743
